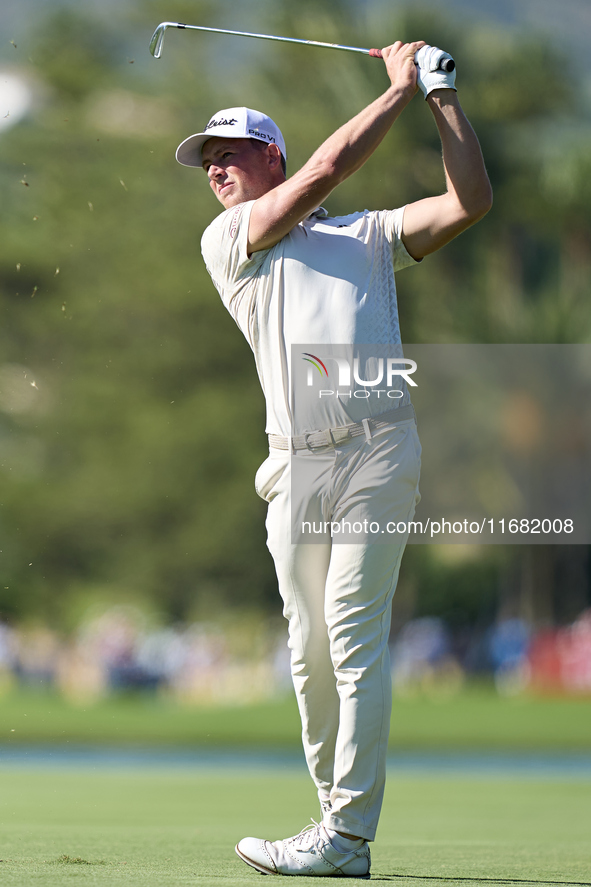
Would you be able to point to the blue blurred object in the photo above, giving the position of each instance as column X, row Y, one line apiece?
column 509, row 643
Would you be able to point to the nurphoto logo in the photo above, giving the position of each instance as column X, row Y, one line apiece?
column 384, row 371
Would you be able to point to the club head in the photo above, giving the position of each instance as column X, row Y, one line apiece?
column 158, row 38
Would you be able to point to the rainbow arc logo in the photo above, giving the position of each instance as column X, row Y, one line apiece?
column 315, row 361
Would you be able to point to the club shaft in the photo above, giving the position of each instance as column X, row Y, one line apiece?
column 158, row 36
column 447, row 64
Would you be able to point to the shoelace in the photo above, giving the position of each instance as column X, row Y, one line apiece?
column 309, row 835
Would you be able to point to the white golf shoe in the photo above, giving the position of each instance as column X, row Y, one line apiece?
column 310, row 853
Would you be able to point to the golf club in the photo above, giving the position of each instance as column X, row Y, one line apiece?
column 158, row 38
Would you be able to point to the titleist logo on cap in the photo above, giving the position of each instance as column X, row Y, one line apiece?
column 222, row 122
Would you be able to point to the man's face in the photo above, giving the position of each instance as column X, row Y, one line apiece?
column 237, row 170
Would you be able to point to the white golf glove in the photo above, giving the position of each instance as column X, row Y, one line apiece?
column 429, row 74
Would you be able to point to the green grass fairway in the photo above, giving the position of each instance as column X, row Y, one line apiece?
column 477, row 719
column 143, row 828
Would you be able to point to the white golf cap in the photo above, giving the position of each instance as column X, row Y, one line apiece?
column 234, row 123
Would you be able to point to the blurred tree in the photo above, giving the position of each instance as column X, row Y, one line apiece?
column 77, row 53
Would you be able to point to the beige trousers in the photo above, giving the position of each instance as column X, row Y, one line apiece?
column 337, row 593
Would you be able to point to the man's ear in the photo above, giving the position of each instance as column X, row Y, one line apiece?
column 274, row 155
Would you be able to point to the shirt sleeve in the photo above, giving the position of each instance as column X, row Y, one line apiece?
column 224, row 248
column 391, row 222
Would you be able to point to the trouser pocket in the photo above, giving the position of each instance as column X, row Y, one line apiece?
column 269, row 474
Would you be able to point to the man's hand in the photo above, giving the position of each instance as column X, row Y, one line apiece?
column 399, row 59
column 430, row 75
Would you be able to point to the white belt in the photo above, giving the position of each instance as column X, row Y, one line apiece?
column 331, row 437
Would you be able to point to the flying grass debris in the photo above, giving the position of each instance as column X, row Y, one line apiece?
column 75, row 860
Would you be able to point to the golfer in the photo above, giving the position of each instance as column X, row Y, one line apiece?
column 290, row 274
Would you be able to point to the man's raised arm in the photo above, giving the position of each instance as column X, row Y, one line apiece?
column 431, row 223
column 281, row 209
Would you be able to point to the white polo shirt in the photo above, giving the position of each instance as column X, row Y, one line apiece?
column 330, row 281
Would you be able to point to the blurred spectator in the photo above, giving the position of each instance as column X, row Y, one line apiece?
column 37, row 652
column 7, row 657
column 560, row 659
column 574, row 645
column 544, row 662
column 422, row 659
column 509, row 645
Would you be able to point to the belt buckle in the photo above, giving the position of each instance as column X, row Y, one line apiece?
column 318, row 446
column 308, row 434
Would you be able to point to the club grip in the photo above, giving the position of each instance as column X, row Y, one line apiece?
column 446, row 65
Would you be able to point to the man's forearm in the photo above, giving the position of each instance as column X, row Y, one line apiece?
column 467, row 180
column 347, row 149
column 432, row 222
